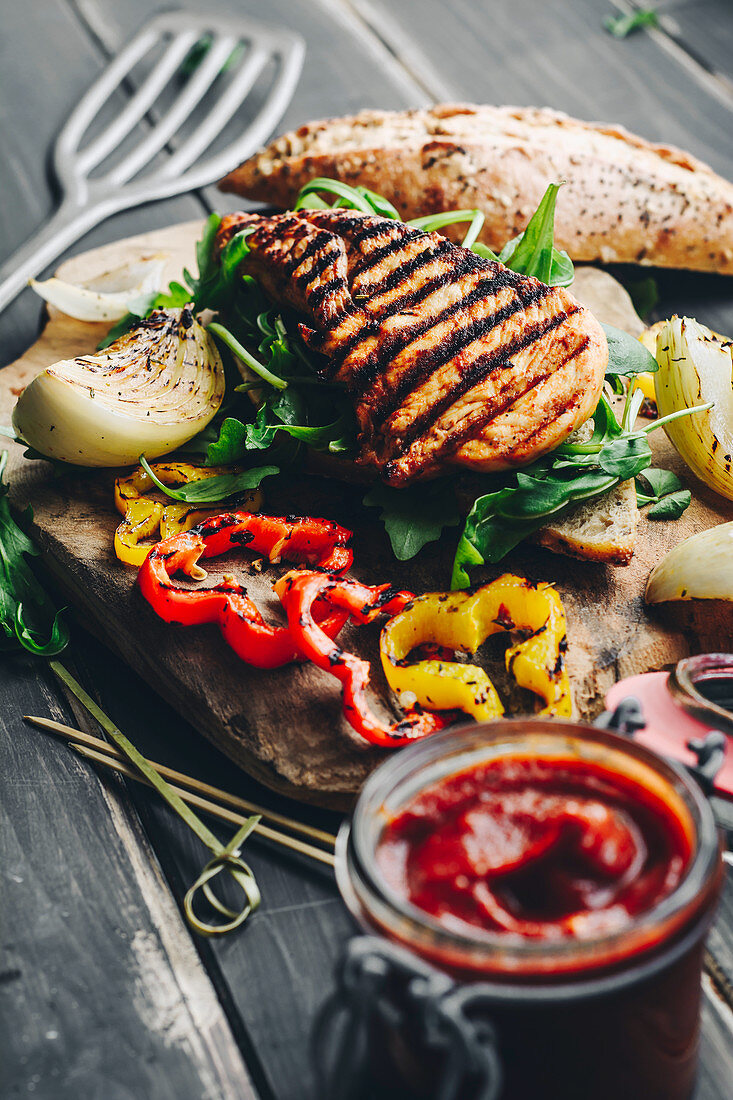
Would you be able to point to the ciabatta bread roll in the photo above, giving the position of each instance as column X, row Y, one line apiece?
column 626, row 200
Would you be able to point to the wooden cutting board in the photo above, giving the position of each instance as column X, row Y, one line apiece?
column 285, row 727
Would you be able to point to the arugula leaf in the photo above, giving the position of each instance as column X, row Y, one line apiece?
column 210, row 490
column 621, row 457
column 246, row 357
column 327, row 437
column 27, row 616
column 533, row 251
column 626, row 356
column 671, row 506
column 621, row 26
column 466, row 556
column 668, row 497
column 661, row 482
column 416, row 516
column 352, row 198
column 231, row 444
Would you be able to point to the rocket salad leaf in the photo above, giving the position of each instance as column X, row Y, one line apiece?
column 664, row 491
column 211, row 490
column 533, row 251
column 27, row 616
column 416, row 516
column 671, row 506
column 626, row 356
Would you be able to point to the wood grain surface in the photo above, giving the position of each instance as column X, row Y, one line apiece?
column 285, row 726
column 83, row 1031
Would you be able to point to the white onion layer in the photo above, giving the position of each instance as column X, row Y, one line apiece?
column 696, row 367
column 148, row 393
column 698, row 568
column 106, row 297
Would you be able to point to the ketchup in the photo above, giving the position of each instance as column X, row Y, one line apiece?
column 545, row 848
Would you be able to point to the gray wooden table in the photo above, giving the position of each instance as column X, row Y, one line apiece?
column 103, row 992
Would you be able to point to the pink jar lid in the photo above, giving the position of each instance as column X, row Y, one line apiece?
column 669, row 728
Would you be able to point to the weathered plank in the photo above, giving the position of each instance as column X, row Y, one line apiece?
column 704, row 30
column 101, row 991
column 715, row 1048
column 274, row 973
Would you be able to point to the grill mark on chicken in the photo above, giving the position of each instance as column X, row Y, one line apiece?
column 402, row 275
column 320, row 264
column 405, row 271
column 476, row 372
column 426, row 363
column 392, row 345
column 577, row 351
column 411, row 298
column 367, row 234
column 317, row 242
column 481, row 420
column 475, row 422
column 393, row 245
column 434, row 342
column 370, row 280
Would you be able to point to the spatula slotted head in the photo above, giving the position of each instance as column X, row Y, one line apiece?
column 185, row 101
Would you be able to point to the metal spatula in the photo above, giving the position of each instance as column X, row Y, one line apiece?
column 236, row 57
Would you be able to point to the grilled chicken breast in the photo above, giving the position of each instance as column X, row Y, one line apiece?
column 626, row 199
column 452, row 360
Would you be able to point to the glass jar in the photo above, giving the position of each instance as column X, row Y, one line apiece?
column 610, row 1016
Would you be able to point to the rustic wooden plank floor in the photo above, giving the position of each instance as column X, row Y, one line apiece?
column 103, row 993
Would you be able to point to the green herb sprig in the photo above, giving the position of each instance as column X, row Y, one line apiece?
column 624, row 24
column 28, row 618
column 212, row 490
column 664, row 491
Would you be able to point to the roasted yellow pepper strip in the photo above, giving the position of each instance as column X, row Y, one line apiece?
column 463, row 621
column 147, row 518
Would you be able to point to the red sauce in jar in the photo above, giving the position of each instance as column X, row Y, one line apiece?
column 541, row 847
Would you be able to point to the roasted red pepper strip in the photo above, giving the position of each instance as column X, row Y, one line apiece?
column 299, row 592
column 318, row 541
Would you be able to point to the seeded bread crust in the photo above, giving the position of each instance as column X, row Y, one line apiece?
column 626, row 200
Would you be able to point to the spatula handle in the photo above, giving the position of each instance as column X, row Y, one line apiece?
column 64, row 228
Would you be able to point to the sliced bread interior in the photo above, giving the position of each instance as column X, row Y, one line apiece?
column 603, row 529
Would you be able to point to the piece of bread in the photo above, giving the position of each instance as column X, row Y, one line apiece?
column 598, row 530
column 626, row 200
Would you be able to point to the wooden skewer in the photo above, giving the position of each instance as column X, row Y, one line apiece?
column 209, row 807
column 223, row 798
